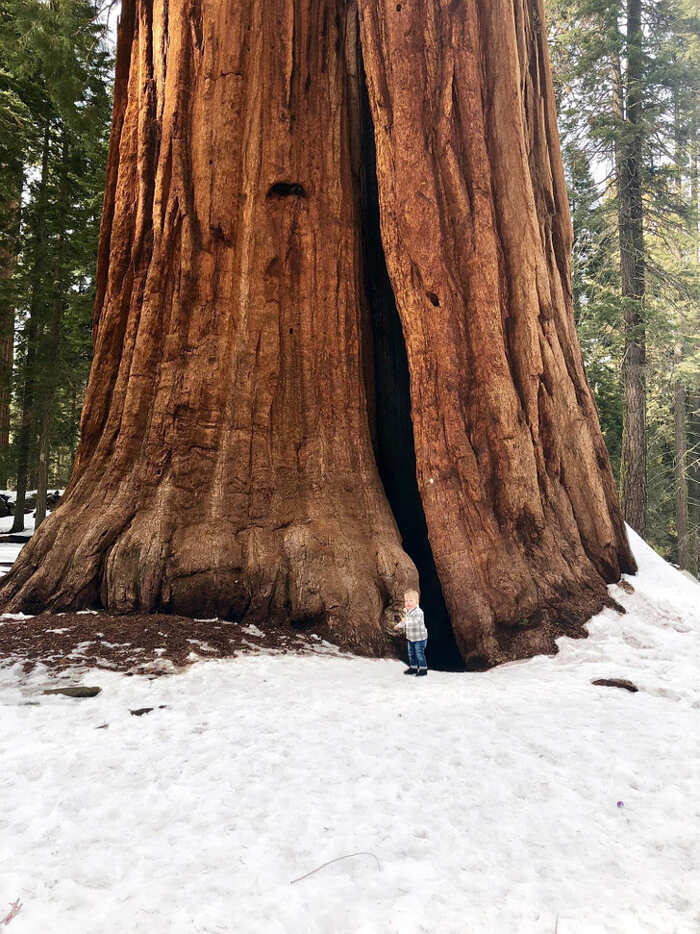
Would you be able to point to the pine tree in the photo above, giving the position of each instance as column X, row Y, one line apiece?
column 650, row 140
column 59, row 67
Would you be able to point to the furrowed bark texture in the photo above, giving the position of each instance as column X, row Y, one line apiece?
column 514, row 476
column 226, row 462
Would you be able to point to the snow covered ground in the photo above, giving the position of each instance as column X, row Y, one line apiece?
column 523, row 799
column 10, row 550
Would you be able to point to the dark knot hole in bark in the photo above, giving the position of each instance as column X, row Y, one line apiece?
column 286, row 190
column 393, row 435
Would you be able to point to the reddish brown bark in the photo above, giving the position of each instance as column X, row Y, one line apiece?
column 514, row 476
column 226, row 461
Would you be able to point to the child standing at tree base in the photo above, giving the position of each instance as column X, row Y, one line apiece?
column 413, row 624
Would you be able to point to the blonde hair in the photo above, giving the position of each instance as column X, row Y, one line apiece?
column 412, row 593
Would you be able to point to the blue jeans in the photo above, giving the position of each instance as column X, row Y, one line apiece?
column 416, row 654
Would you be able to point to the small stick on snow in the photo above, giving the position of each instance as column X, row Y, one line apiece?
column 15, row 908
column 337, row 858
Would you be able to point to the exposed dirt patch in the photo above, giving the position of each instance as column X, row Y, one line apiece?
column 142, row 644
column 536, row 635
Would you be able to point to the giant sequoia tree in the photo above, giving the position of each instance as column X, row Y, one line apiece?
column 334, row 340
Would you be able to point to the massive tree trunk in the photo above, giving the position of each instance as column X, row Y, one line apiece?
column 334, row 340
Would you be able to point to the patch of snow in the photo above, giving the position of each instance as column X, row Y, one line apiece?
column 6, row 523
column 8, row 555
column 252, row 630
column 162, row 665
column 11, row 495
column 203, row 646
column 523, row 799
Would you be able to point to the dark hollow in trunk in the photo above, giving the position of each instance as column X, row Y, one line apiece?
column 393, row 428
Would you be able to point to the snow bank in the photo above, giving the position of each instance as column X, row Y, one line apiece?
column 522, row 799
column 6, row 524
column 11, row 495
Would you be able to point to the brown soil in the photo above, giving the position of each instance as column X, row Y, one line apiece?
column 157, row 644
column 140, row 644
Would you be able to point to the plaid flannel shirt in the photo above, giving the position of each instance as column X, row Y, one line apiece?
column 413, row 625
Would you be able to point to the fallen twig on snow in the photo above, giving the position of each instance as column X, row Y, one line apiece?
column 337, row 858
column 15, row 909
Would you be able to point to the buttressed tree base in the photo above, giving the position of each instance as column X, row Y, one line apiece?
column 335, row 352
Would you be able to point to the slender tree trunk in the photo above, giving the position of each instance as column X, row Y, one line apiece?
column 46, row 414
column 8, row 260
column 681, row 476
column 694, row 420
column 633, row 467
column 51, row 344
column 694, row 477
column 294, row 233
column 43, row 472
column 7, row 334
column 28, row 423
column 75, row 423
column 679, row 388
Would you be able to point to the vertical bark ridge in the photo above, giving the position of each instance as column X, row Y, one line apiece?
column 125, row 30
column 394, row 446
